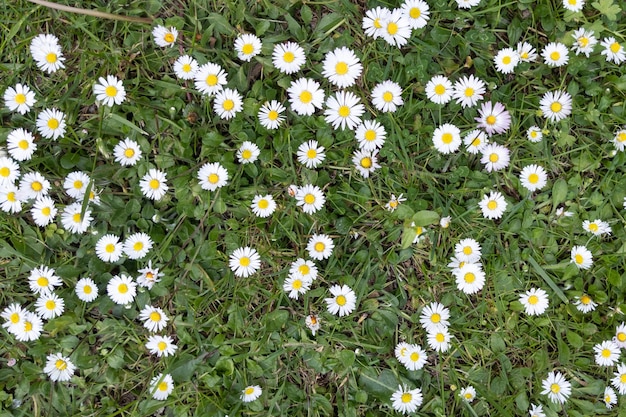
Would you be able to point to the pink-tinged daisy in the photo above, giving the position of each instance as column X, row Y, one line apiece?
column 494, row 118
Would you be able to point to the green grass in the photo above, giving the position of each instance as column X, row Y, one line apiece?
column 234, row 332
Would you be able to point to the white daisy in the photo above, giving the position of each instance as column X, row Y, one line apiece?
column 584, row 304
column 49, row 305
column 373, row 21
column 154, row 318
column 416, row 12
column 415, row 358
column 320, row 247
column 574, row 5
column 387, row 96
column 597, row 227
column 444, row 222
column 304, row 269
column 535, row 301
column 288, row 57
column 470, row 278
column 581, row 257
column 310, row 154
column 185, row 67
column 439, row 339
column 13, row 316
column 467, row 4
column 149, row 276
column 495, row 157
column 161, row 386
column 244, row 261
column 21, row 144
column 59, row 367
column 468, row 91
column 48, row 56
column 526, row 52
column 344, row 109
column 613, row 50
column 493, row 118
column 247, row 46
column 556, row 105
column 536, row 411
column 305, row 96
column 555, row 54
column 86, row 290
column 122, row 289
column 607, row 353
column 29, row 328
column 619, row 141
column 73, row 220
column 19, row 98
column 394, row 202
column 109, row 91
column 534, row 134
column 212, row 176
column 9, row 170
column 468, row 250
column 51, row 123
column 609, row 397
column 533, row 177
column 584, row 41
column 406, row 401
column 127, row 152
column 312, row 321
column 75, row 184
column 263, row 205
column 163, row 36
column 370, row 135
column 227, row 103
column 433, row 316
column 365, row 162
column 32, row 184
column 154, row 184
column 109, row 248
column 475, row 141
column 439, row 89
column 137, row 245
column 43, row 280
column 493, row 205
column 396, row 29
column 342, row 302
column 506, row 60
column 295, row 286
column 401, row 351
column 9, row 202
column 557, row 387
column 43, row 211
column 248, row 152
column 310, row 198
column 447, row 138
column 468, row 393
column 619, row 381
column 161, row 345
column 270, row 114
column 341, row 67
column 250, row 393
column 209, row 79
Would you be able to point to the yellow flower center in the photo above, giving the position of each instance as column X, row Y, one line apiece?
column 469, row 277
column 163, row 386
column 415, row 13
column 607, row 399
column 578, row 258
column 415, row 356
column 583, row 41
column 309, row 198
column 319, row 247
column 186, row 68
column 533, row 178
column 621, row 137
column 556, row 107
column 15, row 318
column 244, row 261
column 387, row 96
column 555, row 388
column 439, row 337
column 622, row 378
column 306, row 96
column 138, row 246
column 122, row 288
column 435, row 318
column 377, row 24
column 493, row 158
column 469, row 91
column 211, row 80
column 246, row 154
column 20, row 98
column 263, row 204
column 42, row 282
column 249, row 391
column 28, row 326
column 154, row 184
column 169, row 37
column 36, row 185
column 288, row 57
column 492, row 205
column 60, row 364
column 78, row 184
column 393, row 204
column 53, row 123
column 23, row 144
column 506, row 60
column 524, row 55
column 447, row 138
column 228, row 104
column 555, row 56
column 476, row 142
column 621, row 336
column 370, row 135
column 297, row 284
column 129, row 152
column 76, row 218
column 109, row 248
column 533, row 299
column 161, row 346
column 213, row 178
column 593, row 227
column 87, row 289
column 406, row 397
column 533, row 134
column 467, row 250
column 491, row 119
column 304, row 269
column 51, row 57
column 440, row 89
column 110, row 91
column 606, row 353
column 344, row 111
column 615, row 47
column 311, row 154
column 273, row 115
column 341, row 300
column 392, row 28
column 50, row 305
column 341, row 68
column 468, row 396
column 366, row 162
column 155, row 316
column 5, row 171
column 247, row 49
column 11, row 197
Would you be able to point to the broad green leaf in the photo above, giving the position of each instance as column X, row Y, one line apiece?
column 607, row 8
column 425, row 218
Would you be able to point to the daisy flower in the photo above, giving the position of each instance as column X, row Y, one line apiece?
column 597, row 227
column 49, row 305
column 447, row 138
column 185, row 67
column 373, row 21
column 574, row 5
column 535, row 301
column 401, row 351
column 310, row 154
column 263, row 205
column 19, row 98
column 607, row 353
column 295, row 285
column 51, row 123
column 86, row 290
column 619, row 381
column 495, row 157
column 365, row 162
column 468, row 393
column 304, row 269
column 585, row 304
column 227, row 103
column 406, row 401
column 444, row 222
column 154, row 318
column 320, row 247
column 416, row 12
column 394, row 202
column 288, row 57
column 149, row 276
column 581, row 257
column 468, row 91
column 620, row 335
column 212, row 176
column 270, row 114
column 161, row 345
column 75, row 184
column 439, row 339
column 250, row 393
column 536, row 411
column 209, row 79
column 555, row 54
column 127, row 152
column 109, row 248
column 342, row 67
column 32, row 184
column 247, row 46
column 342, row 302
column 247, row 153
column 419, row 233
column 137, row 245
column 312, row 321
column 468, row 250
column 163, row 36
column 619, row 141
column 9, row 203
column 9, row 171
column 153, row 184
column 47, row 55
column 506, row 60
column 439, row 89
column 493, row 205
column 21, row 144
column 467, row 4
column 584, row 41
column 344, row 109
column 470, row 278
column 556, row 105
column 122, row 289
column 387, row 96
column 244, row 261
column 613, row 51
column 310, row 198
column 475, row 141
column 13, row 316
column 557, row 387
column 526, row 52
column 161, row 386
column 534, row 134
column 396, row 29
column 109, row 91
column 43, row 280
column 370, row 135
column 73, row 220
column 609, row 397
column 59, row 367
column 29, row 328
column 433, row 316
column 305, row 96
column 494, row 118
column 533, row 177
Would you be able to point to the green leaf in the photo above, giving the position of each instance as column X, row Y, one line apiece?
column 185, row 366
column 122, row 121
column 574, row 339
column 547, row 279
column 425, row 218
column 559, row 191
column 381, row 386
column 276, row 320
column 408, row 235
column 607, row 8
